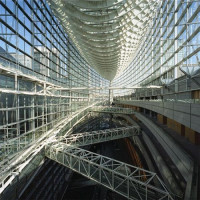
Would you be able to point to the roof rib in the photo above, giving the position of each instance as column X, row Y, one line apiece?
column 106, row 32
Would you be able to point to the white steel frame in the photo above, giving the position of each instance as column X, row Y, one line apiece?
column 14, row 164
column 129, row 181
column 93, row 137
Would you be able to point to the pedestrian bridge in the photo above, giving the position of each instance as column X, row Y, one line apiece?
column 93, row 137
column 129, row 181
column 117, row 110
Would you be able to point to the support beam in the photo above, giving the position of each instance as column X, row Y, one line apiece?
column 93, row 137
column 129, row 181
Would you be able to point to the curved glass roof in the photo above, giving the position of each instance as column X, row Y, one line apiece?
column 106, row 32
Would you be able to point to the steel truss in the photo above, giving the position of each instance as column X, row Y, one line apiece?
column 14, row 164
column 12, row 146
column 129, row 181
column 107, row 109
column 92, row 137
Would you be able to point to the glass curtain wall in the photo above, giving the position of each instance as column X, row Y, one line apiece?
column 172, row 42
column 38, row 65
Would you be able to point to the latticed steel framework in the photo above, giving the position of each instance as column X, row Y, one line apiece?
column 86, row 138
column 106, row 33
column 127, row 180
